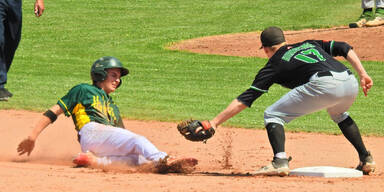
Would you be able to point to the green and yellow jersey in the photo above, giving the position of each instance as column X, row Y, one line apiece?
column 88, row 103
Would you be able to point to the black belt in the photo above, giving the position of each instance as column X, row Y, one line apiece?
column 328, row 73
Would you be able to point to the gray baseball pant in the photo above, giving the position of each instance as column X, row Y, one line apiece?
column 334, row 93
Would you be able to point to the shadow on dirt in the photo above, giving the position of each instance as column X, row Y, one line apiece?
column 223, row 174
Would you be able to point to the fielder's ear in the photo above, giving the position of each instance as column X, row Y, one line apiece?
column 265, row 49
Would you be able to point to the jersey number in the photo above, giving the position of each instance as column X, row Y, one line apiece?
column 304, row 56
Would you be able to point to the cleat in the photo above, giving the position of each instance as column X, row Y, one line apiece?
column 358, row 24
column 363, row 19
column 376, row 22
column 278, row 167
column 379, row 18
column 83, row 159
column 5, row 94
column 367, row 165
column 176, row 165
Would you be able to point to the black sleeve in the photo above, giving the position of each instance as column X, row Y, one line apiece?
column 340, row 49
column 249, row 96
column 335, row 48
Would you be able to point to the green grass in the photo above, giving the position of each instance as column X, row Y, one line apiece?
column 57, row 50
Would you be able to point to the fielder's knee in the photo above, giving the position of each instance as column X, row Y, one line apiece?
column 337, row 118
column 271, row 118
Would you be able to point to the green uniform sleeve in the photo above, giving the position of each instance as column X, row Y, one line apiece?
column 68, row 102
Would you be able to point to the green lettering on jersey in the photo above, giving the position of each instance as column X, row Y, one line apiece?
column 290, row 53
column 304, row 56
column 103, row 107
column 100, row 106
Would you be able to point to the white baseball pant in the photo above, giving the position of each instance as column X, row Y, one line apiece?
column 112, row 144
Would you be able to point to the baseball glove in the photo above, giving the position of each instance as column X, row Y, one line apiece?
column 195, row 130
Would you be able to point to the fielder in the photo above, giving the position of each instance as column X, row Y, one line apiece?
column 317, row 81
column 100, row 128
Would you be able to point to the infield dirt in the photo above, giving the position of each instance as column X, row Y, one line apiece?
column 223, row 162
column 367, row 42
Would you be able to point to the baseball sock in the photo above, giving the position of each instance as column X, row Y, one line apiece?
column 104, row 161
column 276, row 137
column 350, row 130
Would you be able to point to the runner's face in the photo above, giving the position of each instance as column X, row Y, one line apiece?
column 112, row 81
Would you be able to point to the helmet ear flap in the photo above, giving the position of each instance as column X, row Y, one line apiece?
column 98, row 72
column 99, row 75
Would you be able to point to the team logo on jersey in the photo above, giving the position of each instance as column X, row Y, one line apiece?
column 102, row 105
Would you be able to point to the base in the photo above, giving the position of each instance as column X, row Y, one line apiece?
column 326, row 171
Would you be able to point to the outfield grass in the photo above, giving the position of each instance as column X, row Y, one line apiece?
column 57, row 50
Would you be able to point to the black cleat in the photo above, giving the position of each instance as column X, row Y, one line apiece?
column 5, row 94
column 367, row 165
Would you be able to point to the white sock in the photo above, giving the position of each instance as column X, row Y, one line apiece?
column 281, row 155
column 103, row 161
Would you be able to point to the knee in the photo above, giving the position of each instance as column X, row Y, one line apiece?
column 268, row 114
column 337, row 118
column 270, row 117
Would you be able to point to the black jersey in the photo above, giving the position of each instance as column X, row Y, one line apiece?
column 292, row 65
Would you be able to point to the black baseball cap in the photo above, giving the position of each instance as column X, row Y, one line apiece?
column 271, row 36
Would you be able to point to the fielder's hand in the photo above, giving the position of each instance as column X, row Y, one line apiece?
column 26, row 146
column 366, row 83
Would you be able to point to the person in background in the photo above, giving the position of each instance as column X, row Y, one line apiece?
column 10, row 35
column 369, row 18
